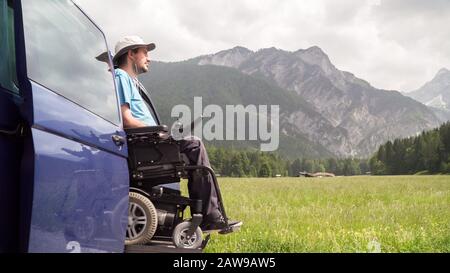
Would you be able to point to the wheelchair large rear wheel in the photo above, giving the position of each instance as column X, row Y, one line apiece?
column 142, row 220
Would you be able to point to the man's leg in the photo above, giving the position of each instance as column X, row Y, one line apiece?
column 201, row 186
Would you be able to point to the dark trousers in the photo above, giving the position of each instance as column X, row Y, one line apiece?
column 200, row 186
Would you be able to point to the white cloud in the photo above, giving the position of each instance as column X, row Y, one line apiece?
column 395, row 44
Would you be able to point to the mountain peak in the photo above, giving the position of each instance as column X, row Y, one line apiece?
column 436, row 92
column 313, row 50
column 268, row 50
column 443, row 77
column 231, row 57
column 314, row 55
column 316, row 50
column 241, row 49
column 443, row 71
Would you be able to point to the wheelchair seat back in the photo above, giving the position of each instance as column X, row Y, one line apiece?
column 154, row 158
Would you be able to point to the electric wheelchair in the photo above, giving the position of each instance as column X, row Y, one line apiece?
column 156, row 210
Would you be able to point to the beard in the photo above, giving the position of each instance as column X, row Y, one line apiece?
column 143, row 69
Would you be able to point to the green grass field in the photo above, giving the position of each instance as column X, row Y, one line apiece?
column 342, row 214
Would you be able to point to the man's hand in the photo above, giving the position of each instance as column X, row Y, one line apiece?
column 128, row 120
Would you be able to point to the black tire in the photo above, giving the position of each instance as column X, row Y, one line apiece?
column 143, row 220
column 181, row 241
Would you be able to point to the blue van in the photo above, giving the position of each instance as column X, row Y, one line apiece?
column 64, row 178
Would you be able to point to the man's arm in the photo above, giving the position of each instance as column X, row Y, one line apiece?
column 128, row 120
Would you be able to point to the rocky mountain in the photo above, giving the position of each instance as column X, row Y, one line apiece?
column 231, row 58
column 435, row 94
column 178, row 83
column 364, row 116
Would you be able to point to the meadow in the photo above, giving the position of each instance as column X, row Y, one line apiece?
column 340, row 214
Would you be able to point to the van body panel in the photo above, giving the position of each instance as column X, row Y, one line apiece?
column 54, row 113
column 80, row 196
column 64, row 182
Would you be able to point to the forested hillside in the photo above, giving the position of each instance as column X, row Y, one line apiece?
column 429, row 151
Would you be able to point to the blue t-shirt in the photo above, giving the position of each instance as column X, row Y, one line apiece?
column 129, row 94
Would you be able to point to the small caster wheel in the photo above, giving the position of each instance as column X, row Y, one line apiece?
column 181, row 240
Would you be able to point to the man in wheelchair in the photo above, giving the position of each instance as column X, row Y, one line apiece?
column 156, row 158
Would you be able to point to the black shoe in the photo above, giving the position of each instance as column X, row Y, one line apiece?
column 220, row 225
column 232, row 227
column 217, row 224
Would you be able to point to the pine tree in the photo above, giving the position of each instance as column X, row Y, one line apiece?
column 296, row 167
column 265, row 171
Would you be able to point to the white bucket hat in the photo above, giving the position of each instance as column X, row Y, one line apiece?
column 103, row 57
column 130, row 42
column 123, row 45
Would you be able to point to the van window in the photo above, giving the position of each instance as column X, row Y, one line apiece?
column 8, row 76
column 61, row 46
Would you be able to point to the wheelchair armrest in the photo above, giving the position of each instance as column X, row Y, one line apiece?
column 147, row 130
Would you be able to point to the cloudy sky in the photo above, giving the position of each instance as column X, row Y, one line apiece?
column 393, row 44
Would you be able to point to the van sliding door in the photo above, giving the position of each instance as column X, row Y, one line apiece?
column 77, row 176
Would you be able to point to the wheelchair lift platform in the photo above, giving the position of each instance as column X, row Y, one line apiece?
column 159, row 247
